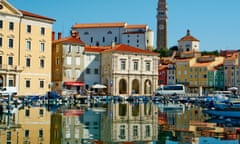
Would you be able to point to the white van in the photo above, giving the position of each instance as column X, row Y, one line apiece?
column 6, row 91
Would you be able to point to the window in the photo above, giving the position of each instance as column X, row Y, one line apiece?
column 88, row 71
column 42, row 46
column 78, row 61
column 9, row 136
column 57, row 61
column 41, row 112
column 69, row 49
column 26, row 133
column 115, row 39
column 135, row 65
column 41, row 84
column 10, row 43
column 11, row 26
column 28, row 45
column 86, row 33
column 147, row 131
column 1, row 24
column 109, row 32
column 28, row 62
column 148, row 66
column 27, row 112
column 79, row 49
column 135, row 130
column 69, row 60
column 10, row 60
column 103, row 39
column 95, row 71
column 42, row 31
column 122, row 132
column 42, row 63
column 123, row 65
column 27, row 83
column 1, row 41
column 10, row 82
column 29, row 28
column 91, row 39
column 68, row 73
column 40, row 133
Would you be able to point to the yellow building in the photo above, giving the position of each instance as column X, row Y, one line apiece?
column 25, row 50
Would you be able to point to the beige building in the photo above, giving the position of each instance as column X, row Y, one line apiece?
column 67, row 64
column 127, row 70
column 25, row 50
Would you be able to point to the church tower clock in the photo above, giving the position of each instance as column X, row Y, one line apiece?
column 162, row 25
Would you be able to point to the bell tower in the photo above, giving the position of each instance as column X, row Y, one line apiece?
column 162, row 25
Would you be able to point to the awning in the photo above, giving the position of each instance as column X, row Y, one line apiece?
column 74, row 83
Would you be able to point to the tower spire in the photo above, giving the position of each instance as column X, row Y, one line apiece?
column 162, row 25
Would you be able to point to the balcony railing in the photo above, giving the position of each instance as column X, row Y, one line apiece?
column 10, row 67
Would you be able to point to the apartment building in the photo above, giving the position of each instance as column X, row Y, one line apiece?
column 67, row 64
column 25, row 50
column 231, row 70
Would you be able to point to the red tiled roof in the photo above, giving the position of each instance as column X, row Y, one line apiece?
column 143, row 26
column 96, row 48
column 188, row 37
column 69, row 40
column 25, row 13
column 127, row 48
column 99, row 25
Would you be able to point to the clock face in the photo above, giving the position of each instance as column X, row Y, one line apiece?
column 161, row 27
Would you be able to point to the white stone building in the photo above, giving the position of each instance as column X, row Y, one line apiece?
column 128, row 70
column 188, row 43
column 103, row 34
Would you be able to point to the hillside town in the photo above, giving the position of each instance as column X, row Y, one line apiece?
column 118, row 55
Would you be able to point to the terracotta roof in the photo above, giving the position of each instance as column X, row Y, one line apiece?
column 127, row 48
column 96, row 48
column 162, row 67
column 232, row 56
column 188, row 37
column 201, row 64
column 183, row 60
column 25, row 13
column 143, row 26
column 99, row 25
column 69, row 40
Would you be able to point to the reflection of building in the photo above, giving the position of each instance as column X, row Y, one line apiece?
column 67, row 66
column 128, row 70
column 130, row 122
column 66, row 127
column 35, row 125
column 25, row 55
column 75, row 126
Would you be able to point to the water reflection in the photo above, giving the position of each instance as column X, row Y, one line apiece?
column 115, row 123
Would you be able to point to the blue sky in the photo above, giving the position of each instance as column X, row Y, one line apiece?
column 214, row 22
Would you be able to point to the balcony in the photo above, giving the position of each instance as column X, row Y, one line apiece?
column 13, row 68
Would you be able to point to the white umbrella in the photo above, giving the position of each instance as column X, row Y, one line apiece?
column 98, row 86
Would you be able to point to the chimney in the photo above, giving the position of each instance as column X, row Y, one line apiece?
column 75, row 34
column 59, row 35
column 113, row 44
column 53, row 36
